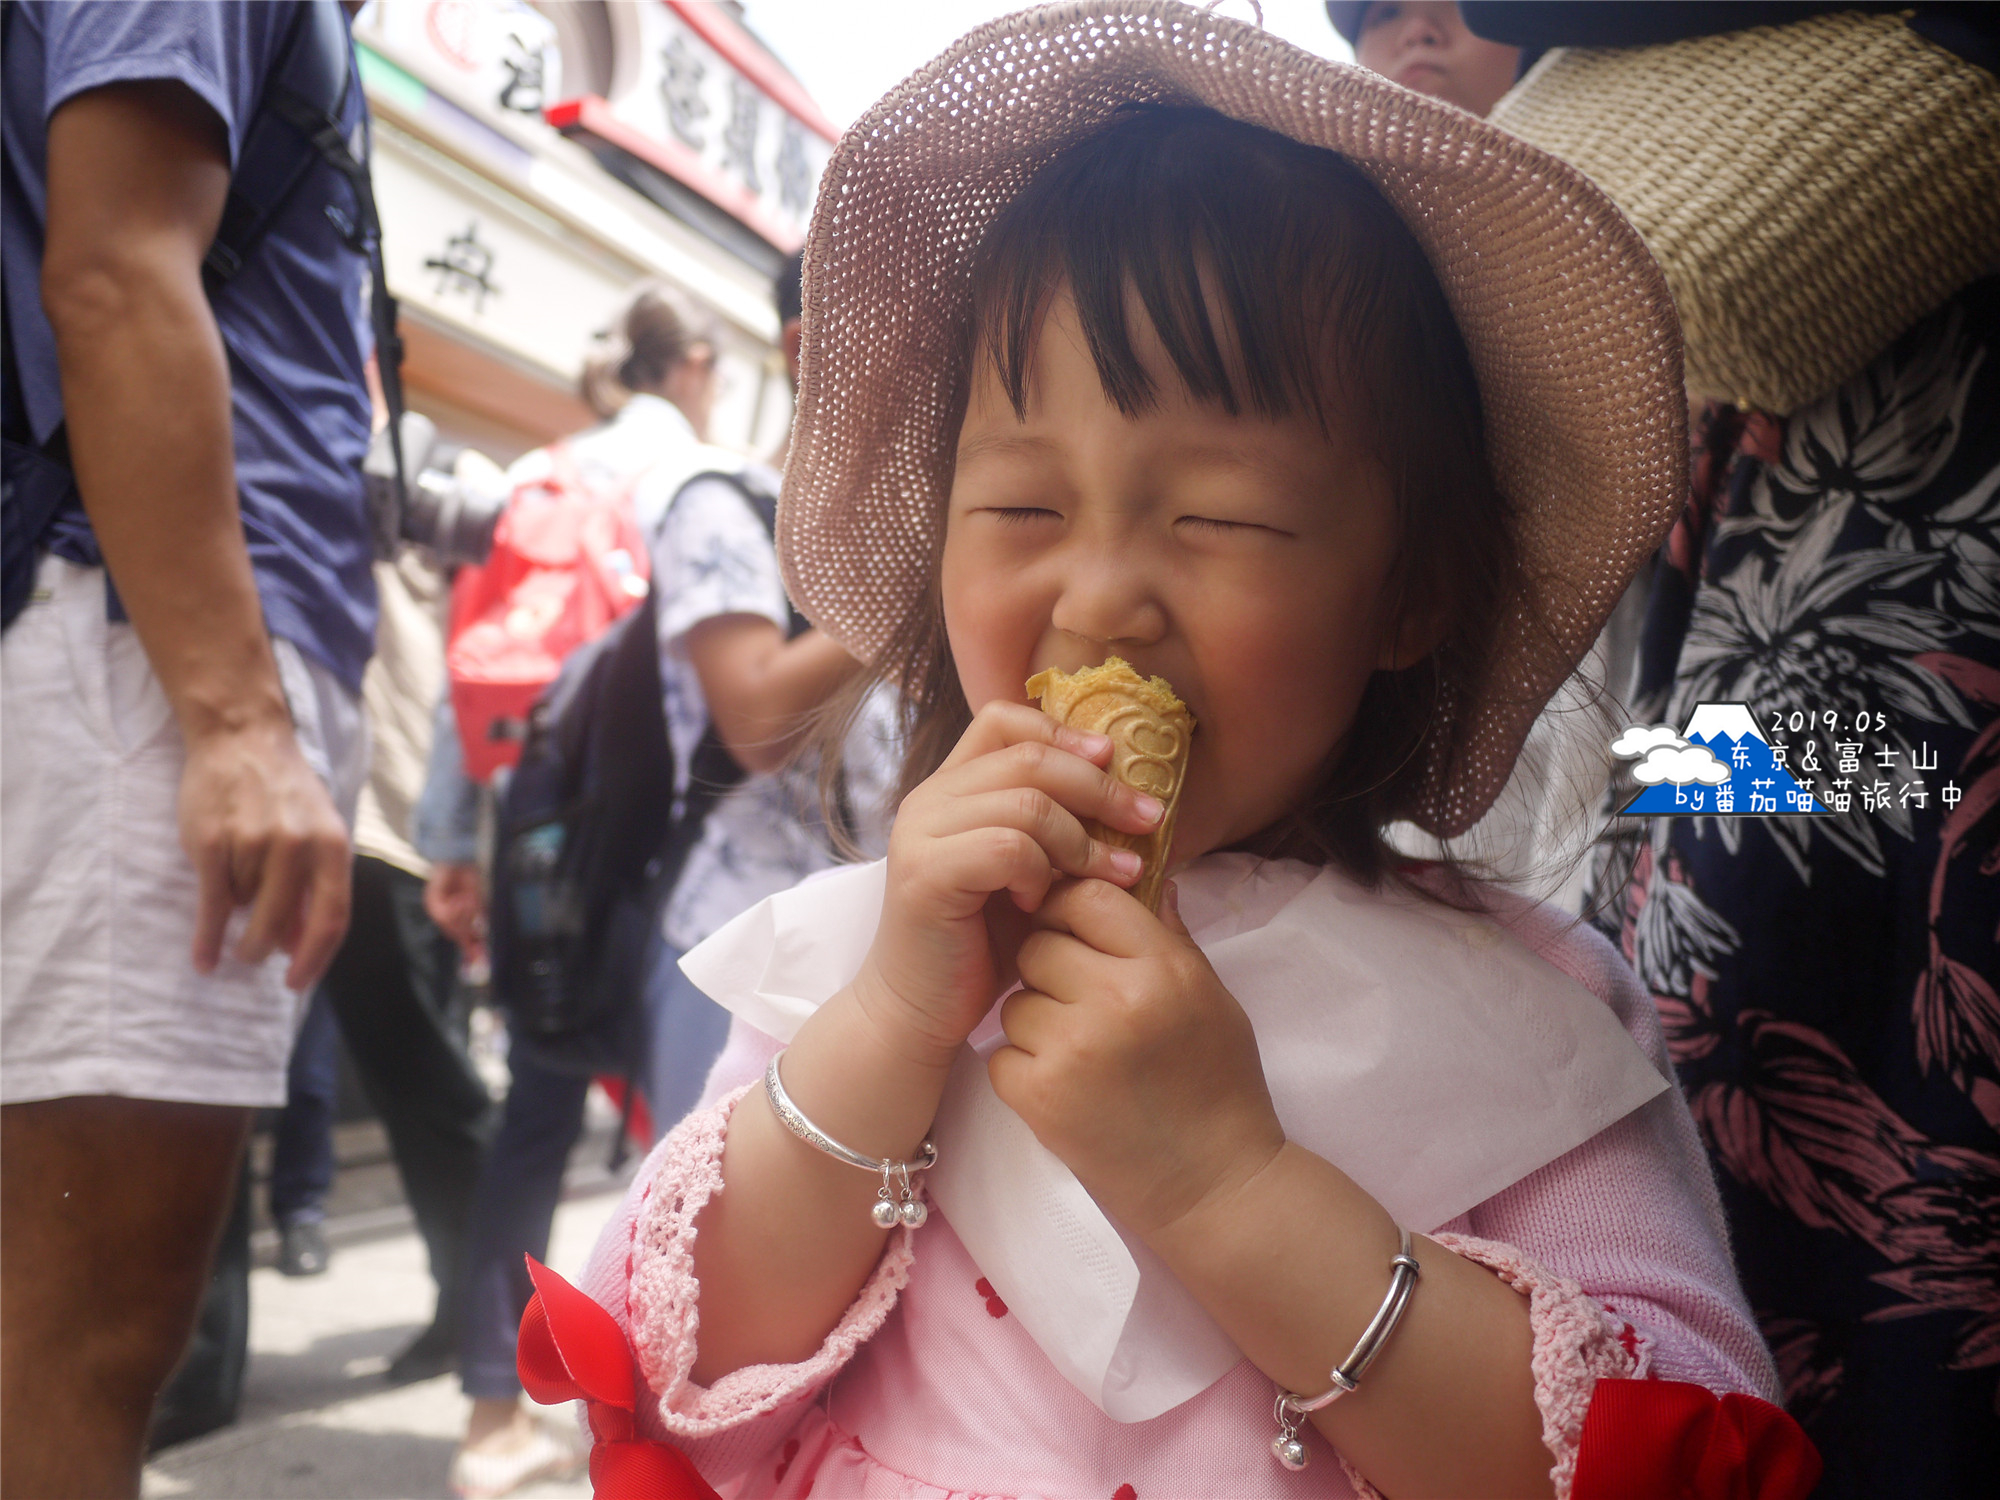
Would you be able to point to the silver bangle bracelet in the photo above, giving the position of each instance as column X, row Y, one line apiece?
column 896, row 1201
column 1346, row 1376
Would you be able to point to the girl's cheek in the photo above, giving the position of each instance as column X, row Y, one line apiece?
column 988, row 643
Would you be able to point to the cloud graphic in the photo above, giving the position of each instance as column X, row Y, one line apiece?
column 1680, row 765
column 1639, row 738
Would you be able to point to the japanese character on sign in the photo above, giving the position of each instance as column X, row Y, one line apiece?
column 1886, row 757
column 739, row 139
column 1924, row 759
column 1843, row 795
column 1850, row 757
column 1760, row 798
column 680, row 88
column 527, row 70
column 1950, row 795
column 1915, row 791
column 466, row 266
column 795, row 183
column 1875, row 798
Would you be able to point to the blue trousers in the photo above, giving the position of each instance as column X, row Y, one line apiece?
column 302, row 1143
column 515, row 1203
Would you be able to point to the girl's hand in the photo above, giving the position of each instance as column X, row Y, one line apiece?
column 1130, row 1061
column 1003, row 814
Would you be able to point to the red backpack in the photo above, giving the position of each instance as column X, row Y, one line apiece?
column 567, row 561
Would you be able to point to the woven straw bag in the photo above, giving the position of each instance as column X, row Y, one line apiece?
column 1810, row 190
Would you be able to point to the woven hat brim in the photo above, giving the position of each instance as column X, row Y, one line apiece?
column 1569, row 324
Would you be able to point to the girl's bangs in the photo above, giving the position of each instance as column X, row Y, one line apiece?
column 1248, row 254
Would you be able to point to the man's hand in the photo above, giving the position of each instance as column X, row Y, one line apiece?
column 137, row 175
column 261, row 832
column 456, row 901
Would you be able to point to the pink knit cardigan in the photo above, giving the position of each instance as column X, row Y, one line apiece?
column 927, row 1388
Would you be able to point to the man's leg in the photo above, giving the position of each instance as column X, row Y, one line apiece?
column 302, row 1163
column 390, row 986
column 109, row 1212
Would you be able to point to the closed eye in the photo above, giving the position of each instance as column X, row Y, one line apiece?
column 1020, row 515
column 1216, row 526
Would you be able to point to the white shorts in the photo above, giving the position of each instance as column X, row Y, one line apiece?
column 98, row 992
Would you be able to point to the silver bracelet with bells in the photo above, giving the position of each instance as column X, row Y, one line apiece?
column 895, row 1202
column 1346, row 1376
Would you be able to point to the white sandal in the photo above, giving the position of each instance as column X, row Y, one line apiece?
column 477, row 1475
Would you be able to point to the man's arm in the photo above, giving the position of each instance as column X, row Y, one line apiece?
column 137, row 176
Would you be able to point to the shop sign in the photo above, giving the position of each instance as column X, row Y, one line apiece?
column 731, row 121
column 502, row 52
column 468, row 261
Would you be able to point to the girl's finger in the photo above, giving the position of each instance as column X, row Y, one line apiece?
column 986, row 860
column 1073, row 780
column 1000, row 724
column 1030, row 1019
column 1105, row 918
column 1057, row 964
column 1070, row 849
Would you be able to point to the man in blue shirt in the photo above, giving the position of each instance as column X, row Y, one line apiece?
column 175, row 856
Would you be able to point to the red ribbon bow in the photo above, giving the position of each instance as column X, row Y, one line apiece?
column 1667, row 1440
column 571, row 1350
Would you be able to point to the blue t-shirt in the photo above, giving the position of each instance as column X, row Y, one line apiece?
column 293, row 319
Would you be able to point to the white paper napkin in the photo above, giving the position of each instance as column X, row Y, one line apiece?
column 1426, row 1052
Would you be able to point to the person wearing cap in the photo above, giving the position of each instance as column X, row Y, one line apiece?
column 1828, row 981
column 1185, row 370
column 1538, row 834
column 1424, row 45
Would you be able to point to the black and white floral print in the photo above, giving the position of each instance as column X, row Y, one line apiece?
column 1830, row 985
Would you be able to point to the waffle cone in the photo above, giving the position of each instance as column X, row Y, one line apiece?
column 1150, row 730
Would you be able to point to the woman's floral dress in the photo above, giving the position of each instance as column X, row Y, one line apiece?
column 1828, row 983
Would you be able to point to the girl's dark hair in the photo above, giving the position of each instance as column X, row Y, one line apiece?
column 1279, row 281
column 658, row 329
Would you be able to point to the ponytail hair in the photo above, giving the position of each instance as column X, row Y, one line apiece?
column 658, row 329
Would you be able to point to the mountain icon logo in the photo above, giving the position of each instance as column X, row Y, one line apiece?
column 1719, row 765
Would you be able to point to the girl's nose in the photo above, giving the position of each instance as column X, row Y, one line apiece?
column 1420, row 30
column 1106, row 597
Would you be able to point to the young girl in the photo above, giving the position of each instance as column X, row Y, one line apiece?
column 1349, row 416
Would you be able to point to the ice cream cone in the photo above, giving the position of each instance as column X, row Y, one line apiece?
column 1150, row 731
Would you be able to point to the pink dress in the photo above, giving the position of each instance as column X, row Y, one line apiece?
column 927, row 1387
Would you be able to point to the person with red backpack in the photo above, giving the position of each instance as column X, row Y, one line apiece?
column 573, row 554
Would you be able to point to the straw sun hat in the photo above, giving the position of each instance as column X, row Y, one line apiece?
column 1567, row 319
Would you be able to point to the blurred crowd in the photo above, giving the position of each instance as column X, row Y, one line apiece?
column 321, row 731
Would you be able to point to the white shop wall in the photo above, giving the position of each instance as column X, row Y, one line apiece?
column 505, row 237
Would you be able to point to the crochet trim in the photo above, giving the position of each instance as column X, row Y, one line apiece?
column 663, row 1297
